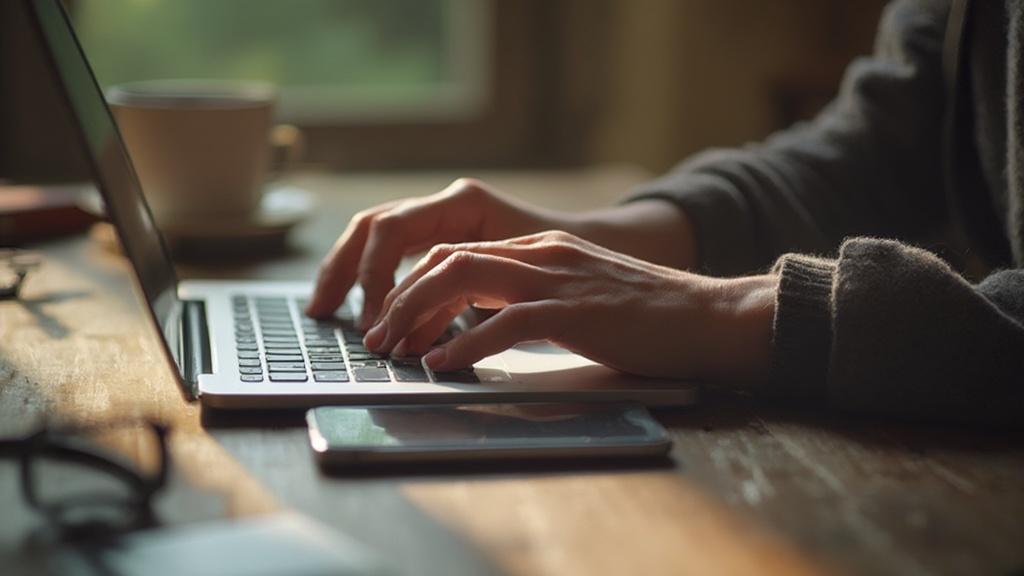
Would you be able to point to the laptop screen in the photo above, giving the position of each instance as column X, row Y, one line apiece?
column 114, row 174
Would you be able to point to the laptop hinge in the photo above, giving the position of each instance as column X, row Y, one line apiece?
column 194, row 342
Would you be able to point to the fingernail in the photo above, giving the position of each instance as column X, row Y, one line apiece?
column 375, row 337
column 435, row 358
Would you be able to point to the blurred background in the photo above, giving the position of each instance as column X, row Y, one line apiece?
column 443, row 84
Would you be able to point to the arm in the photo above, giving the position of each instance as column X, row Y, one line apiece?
column 868, row 165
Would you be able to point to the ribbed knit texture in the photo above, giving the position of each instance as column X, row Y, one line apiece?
column 803, row 325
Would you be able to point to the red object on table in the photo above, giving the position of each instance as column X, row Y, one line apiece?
column 33, row 213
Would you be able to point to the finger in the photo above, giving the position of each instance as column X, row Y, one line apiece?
column 462, row 279
column 512, row 325
column 442, row 217
column 419, row 340
column 381, row 256
column 439, row 253
column 339, row 266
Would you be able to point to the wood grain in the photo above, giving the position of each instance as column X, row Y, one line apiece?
column 751, row 488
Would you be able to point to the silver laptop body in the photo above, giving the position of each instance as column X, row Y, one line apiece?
column 245, row 345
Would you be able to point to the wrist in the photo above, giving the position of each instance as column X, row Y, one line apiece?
column 742, row 313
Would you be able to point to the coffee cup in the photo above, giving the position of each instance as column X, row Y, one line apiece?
column 202, row 150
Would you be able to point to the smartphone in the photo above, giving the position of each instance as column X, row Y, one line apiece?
column 353, row 435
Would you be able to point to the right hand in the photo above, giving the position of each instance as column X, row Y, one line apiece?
column 375, row 240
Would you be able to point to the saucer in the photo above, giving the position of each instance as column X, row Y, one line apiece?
column 281, row 208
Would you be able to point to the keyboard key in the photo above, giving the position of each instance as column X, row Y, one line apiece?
column 250, row 370
column 324, row 352
column 245, row 339
column 288, row 377
column 356, row 356
column 248, row 355
column 271, row 357
column 367, row 374
column 327, row 339
column 252, row 377
column 282, row 346
column 323, row 347
column 284, row 339
column 458, row 376
column 248, row 362
column 409, row 371
column 286, row 366
column 325, row 357
column 283, row 318
column 335, row 376
column 280, row 332
column 328, row 365
column 247, row 346
column 368, row 364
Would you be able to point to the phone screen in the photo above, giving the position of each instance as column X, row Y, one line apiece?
column 527, row 428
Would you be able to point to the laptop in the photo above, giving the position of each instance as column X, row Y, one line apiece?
column 247, row 345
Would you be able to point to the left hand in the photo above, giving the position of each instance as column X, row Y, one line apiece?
column 617, row 310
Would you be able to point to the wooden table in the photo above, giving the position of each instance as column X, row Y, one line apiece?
column 752, row 488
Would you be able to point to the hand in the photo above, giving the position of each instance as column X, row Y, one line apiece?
column 617, row 310
column 375, row 241
column 468, row 210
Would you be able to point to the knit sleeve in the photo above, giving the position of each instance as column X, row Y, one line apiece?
column 867, row 165
column 892, row 330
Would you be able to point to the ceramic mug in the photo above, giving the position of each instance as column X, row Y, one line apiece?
column 202, row 149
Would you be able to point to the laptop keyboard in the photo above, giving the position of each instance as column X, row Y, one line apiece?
column 276, row 342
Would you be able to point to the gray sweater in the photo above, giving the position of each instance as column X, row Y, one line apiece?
column 925, row 151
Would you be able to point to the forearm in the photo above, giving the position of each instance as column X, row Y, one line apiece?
column 652, row 230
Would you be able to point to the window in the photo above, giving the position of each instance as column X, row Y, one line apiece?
column 375, row 84
column 333, row 60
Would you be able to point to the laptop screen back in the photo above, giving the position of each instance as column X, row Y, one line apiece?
column 113, row 170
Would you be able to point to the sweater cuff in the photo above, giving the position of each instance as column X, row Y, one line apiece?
column 802, row 330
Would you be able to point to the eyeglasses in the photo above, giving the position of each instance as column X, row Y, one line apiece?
column 90, row 480
column 14, row 267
